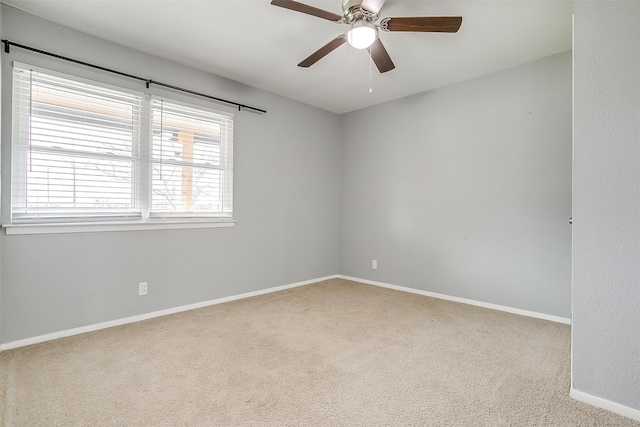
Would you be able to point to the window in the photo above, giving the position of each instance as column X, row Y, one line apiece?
column 191, row 161
column 83, row 151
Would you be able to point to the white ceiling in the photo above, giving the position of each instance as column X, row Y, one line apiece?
column 253, row 42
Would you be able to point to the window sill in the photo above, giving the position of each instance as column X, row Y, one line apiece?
column 113, row 226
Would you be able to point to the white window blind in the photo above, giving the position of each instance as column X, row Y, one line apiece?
column 76, row 153
column 192, row 161
column 87, row 152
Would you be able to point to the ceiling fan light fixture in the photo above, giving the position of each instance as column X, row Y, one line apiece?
column 362, row 34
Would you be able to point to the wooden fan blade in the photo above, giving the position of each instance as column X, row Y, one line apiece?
column 323, row 51
column 372, row 6
column 381, row 57
column 309, row 10
column 423, row 24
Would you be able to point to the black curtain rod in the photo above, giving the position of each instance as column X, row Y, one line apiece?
column 148, row 82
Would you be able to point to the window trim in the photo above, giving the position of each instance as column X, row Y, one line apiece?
column 105, row 224
column 63, row 228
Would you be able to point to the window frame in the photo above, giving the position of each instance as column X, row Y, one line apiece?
column 49, row 217
column 142, row 170
column 226, row 167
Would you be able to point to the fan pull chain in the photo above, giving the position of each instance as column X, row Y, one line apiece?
column 351, row 63
column 370, row 85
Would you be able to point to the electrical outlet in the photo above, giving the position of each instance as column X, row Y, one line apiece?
column 374, row 264
column 142, row 288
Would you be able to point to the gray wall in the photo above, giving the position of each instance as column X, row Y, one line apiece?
column 606, row 201
column 286, row 165
column 465, row 190
column 1, row 126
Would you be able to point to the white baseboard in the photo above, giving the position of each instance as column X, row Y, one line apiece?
column 146, row 316
column 599, row 402
column 463, row 300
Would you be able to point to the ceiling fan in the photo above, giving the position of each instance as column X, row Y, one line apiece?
column 360, row 16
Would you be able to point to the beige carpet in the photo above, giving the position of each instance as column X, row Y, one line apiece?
column 336, row 353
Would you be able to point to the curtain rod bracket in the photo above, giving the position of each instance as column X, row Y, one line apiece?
column 7, row 46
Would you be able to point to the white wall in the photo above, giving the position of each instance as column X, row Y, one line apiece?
column 606, row 202
column 286, row 166
column 465, row 190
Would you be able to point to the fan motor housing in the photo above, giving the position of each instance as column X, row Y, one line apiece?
column 353, row 11
column 349, row 4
